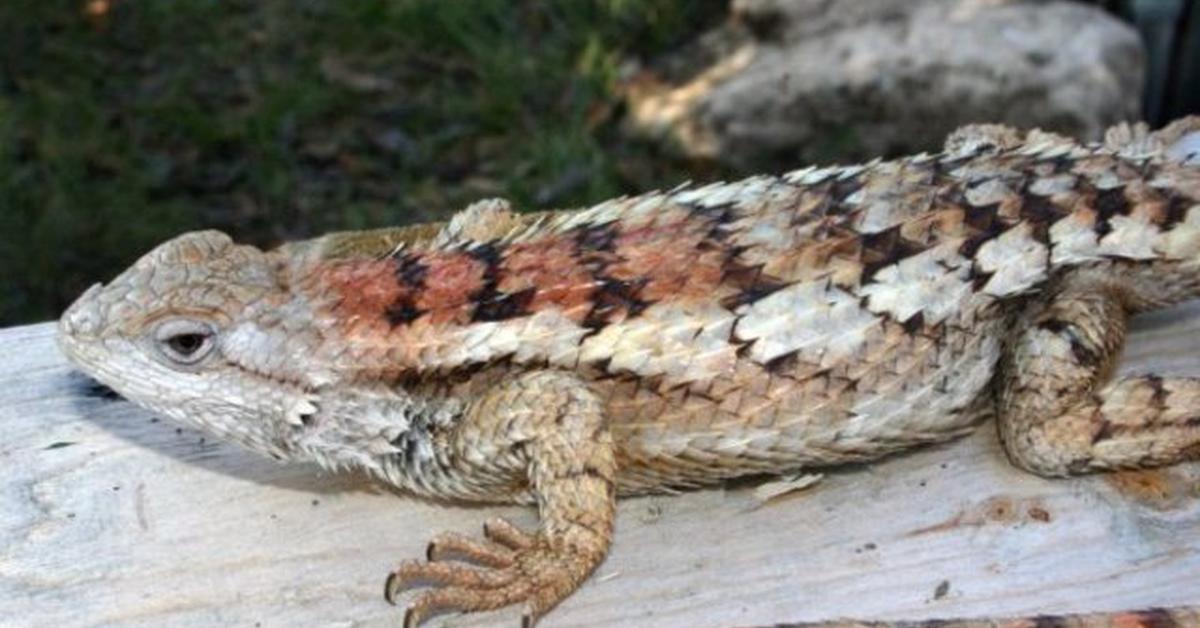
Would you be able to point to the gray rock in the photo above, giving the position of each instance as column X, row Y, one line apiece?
column 790, row 82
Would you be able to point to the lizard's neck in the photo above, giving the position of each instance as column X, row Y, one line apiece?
column 381, row 430
column 399, row 438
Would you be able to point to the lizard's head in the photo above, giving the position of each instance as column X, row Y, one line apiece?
column 192, row 331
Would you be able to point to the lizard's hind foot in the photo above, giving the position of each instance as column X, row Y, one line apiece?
column 511, row 567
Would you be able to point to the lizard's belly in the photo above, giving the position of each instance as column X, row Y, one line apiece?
column 900, row 388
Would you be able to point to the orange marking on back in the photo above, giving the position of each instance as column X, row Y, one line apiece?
column 553, row 269
column 658, row 263
column 452, row 278
column 364, row 288
column 670, row 260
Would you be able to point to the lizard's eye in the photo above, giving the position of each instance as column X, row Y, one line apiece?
column 186, row 344
column 184, row 341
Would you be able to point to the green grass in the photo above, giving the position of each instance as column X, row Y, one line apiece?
column 279, row 119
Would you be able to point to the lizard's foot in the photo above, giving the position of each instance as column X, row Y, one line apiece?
column 513, row 567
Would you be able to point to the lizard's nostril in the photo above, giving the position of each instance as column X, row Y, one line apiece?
column 83, row 317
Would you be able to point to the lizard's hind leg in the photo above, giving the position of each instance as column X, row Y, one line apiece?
column 1059, row 410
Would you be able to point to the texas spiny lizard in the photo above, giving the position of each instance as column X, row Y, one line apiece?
column 675, row 340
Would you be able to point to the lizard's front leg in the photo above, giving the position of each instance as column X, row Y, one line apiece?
column 548, row 430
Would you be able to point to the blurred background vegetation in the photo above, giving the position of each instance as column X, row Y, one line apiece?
column 124, row 122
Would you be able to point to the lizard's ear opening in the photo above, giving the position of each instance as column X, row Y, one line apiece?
column 183, row 341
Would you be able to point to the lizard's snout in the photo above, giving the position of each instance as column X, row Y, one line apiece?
column 82, row 318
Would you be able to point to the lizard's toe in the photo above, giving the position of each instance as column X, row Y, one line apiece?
column 415, row 573
column 514, row 567
column 499, row 530
column 451, row 545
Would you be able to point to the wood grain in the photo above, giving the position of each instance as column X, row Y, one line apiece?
column 109, row 516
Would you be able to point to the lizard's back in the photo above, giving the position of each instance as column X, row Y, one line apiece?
column 827, row 315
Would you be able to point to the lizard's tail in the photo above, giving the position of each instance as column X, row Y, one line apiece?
column 1181, row 617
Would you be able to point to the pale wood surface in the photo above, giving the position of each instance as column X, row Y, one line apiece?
column 109, row 516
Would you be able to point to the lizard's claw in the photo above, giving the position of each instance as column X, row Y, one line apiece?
column 513, row 567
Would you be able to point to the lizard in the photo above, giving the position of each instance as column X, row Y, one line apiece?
column 678, row 339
